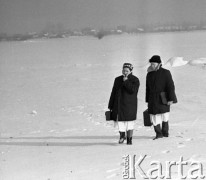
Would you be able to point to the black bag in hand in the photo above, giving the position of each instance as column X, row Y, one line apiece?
column 108, row 115
column 146, row 117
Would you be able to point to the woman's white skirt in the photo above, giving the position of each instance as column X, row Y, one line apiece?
column 159, row 118
column 125, row 125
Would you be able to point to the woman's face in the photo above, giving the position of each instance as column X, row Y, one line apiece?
column 126, row 71
column 154, row 65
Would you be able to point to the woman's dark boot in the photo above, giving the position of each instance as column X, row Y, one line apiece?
column 165, row 129
column 122, row 137
column 158, row 132
column 129, row 137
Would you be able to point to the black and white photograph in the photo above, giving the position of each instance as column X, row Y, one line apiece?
column 102, row 89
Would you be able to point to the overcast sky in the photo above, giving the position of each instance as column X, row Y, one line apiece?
column 20, row 16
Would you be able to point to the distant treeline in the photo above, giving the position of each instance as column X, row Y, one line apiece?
column 47, row 34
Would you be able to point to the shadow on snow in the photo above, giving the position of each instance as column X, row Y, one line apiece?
column 45, row 143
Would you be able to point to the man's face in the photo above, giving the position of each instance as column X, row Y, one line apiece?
column 154, row 65
column 126, row 71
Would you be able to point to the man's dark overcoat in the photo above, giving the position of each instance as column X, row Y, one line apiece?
column 157, row 82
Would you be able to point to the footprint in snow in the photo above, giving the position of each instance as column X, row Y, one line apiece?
column 89, row 118
column 166, row 151
column 80, row 107
column 121, row 164
column 181, row 146
column 52, row 130
column 112, row 170
column 196, row 156
column 112, row 175
column 33, row 113
column 179, row 136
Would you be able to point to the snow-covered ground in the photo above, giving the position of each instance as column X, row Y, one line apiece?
column 53, row 95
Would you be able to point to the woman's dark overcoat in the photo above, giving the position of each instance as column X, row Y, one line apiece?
column 123, row 99
column 157, row 82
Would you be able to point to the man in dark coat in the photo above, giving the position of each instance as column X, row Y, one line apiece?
column 160, row 94
column 123, row 102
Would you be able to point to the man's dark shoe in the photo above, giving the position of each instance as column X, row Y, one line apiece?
column 165, row 129
column 158, row 131
column 122, row 137
column 129, row 140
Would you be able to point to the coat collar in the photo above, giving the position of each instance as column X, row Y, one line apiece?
column 128, row 75
column 150, row 69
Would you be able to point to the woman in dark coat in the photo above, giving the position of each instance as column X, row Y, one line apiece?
column 159, row 86
column 123, row 102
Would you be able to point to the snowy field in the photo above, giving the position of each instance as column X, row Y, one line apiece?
column 54, row 94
